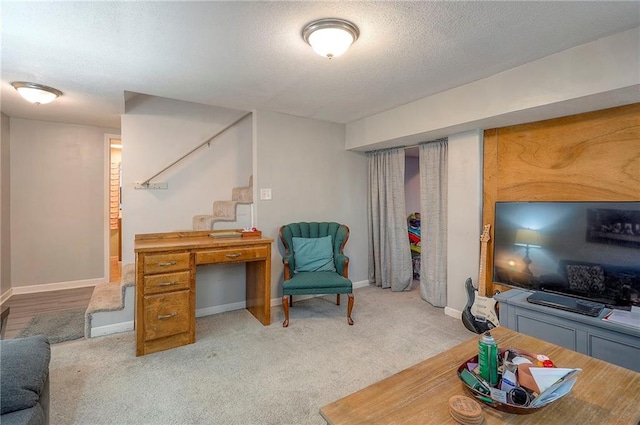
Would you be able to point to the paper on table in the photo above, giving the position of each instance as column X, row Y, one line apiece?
column 558, row 389
column 623, row 317
column 547, row 376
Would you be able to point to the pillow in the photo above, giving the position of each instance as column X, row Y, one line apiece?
column 313, row 255
column 24, row 366
column 586, row 278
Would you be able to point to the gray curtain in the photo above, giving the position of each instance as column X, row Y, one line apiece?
column 389, row 251
column 433, row 222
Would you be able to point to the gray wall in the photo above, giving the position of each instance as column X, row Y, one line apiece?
column 156, row 132
column 5, row 218
column 303, row 161
column 312, row 178
column 576, row 80
column 464, row 215
column 573, row 81
column 40, row 213
column 57, row 203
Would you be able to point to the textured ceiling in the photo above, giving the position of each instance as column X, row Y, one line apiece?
column 250, row 55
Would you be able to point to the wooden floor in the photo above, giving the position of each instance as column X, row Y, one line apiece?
column 26, row 306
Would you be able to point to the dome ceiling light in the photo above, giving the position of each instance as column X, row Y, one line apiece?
column 36, row 93
column 330, row 37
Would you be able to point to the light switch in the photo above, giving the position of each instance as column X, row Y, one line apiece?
column 265, row 194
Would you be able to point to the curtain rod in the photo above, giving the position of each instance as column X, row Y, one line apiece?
column 410, row 146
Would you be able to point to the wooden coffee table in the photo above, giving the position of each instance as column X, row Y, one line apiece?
column 603, row 394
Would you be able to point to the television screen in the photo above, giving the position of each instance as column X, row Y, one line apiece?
column 588, row 250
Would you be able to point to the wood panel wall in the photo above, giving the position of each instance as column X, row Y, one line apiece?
column 587, row 157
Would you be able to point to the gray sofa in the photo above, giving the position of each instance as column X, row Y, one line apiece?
column 24, row 387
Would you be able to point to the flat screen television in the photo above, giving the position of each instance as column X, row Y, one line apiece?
column 585, row 250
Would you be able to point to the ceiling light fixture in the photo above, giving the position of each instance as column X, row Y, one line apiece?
column 330, row 37
column 36, row 93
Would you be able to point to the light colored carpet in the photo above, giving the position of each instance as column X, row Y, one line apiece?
column 58, row 327
column 241, row 372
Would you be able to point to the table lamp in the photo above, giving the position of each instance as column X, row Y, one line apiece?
column 529, row 239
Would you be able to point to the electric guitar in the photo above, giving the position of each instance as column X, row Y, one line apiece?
column 479, row 315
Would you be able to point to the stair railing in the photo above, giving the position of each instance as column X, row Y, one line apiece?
column 145, row 184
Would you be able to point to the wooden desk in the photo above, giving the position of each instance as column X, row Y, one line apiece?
column 166, row 282
column 603, row 393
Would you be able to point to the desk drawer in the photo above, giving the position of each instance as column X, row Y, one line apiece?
column 167, row 282
column 166, row 315
column 163, row 263
column 232, row 255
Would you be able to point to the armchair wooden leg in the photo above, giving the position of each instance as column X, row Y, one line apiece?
column 349, row 308
column 285, row 308
column 337, row 299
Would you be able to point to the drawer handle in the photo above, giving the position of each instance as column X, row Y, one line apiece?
column 167, row 263
column 167, row 316
column 175, row 282
column 233, row 255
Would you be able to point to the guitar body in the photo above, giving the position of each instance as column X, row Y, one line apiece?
column 485, row 308
column 479, row 315
column 468, row 319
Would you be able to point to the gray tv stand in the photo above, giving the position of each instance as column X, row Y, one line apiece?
column 611, row 342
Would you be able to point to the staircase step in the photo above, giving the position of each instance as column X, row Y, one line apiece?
column 242, row 194
column 109, row 296
column 203, row 222
column 225, row 210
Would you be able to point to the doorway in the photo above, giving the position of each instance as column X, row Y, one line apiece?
column 114, row 213
column 412, row 201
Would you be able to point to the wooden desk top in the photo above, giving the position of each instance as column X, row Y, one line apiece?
column 603, row 393
column 198, row 239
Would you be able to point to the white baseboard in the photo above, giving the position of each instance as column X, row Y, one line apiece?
column 6, row 296
column 112, row 329
column 275, row 302
column 360, row 284
column 46, row 287
column 201, row 312
column 453, row 313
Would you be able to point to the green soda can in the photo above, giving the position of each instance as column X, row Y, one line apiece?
column 488, row 358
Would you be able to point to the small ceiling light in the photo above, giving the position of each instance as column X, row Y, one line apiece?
column 330, row 37
column 36, row 93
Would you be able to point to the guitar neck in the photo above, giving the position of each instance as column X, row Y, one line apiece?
column 482, row 278
column 482, row 275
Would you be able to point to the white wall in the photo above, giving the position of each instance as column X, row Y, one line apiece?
column 57, row 203
column 596, row 75
column 312, row 178
column 5, row 220
column 412, row 184
column 303, row 161
column 156, row 132
column 464, row 212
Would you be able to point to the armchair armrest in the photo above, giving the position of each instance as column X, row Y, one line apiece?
column 342, row 264
column 288, row 266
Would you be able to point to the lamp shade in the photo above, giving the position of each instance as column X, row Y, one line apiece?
column 528, row 237
column 330, row 37
column 36, row 93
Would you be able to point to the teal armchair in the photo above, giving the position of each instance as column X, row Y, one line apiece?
column 314, row 263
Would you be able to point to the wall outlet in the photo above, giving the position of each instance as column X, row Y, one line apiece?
column 265, row 194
